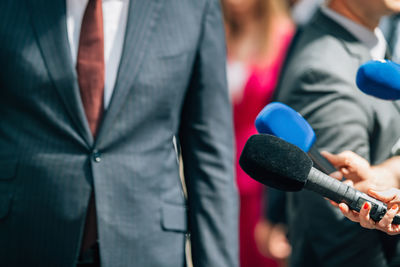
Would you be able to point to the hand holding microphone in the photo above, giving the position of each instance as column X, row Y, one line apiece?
column 391, row 197
column 358, row 169
column 281, row 165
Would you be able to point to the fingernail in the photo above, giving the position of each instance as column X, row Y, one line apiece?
column 366, row 205
column 394, row 207
column 341, row 208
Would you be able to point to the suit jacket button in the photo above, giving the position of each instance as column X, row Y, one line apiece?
column 96, row 155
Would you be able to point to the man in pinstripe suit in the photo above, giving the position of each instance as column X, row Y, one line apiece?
column 86, row 142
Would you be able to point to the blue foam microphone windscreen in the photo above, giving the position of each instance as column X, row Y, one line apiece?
column 284, row 122
column 380, row 79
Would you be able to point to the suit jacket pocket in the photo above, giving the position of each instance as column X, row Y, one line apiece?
column 174, row 217
column 8, row 169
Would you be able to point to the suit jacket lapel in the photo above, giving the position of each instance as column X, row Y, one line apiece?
column 351, row 43
column 49, row 22
column 142, row 17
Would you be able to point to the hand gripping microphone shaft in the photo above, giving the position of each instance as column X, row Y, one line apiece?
column 279, row 164
column 341, row 193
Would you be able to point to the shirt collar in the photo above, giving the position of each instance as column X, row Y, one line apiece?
column 373, row 40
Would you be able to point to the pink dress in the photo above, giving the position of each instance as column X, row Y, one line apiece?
column 251, row 89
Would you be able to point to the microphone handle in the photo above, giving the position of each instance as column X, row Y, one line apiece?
column 339, row 192
column 320, row 162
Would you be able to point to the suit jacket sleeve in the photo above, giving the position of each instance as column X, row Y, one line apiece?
column 342, row 120
column 206, row 137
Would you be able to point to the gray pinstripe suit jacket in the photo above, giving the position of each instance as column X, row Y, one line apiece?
column 319, row 82
column 171, row 82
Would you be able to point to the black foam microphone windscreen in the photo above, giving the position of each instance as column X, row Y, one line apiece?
column 258, row 162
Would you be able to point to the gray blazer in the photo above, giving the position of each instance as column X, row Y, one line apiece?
column 171, row 83
column 319, row 82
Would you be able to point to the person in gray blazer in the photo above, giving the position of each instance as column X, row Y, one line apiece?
column 319, row 82
column 168, row 84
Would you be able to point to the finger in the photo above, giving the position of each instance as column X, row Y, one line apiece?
column 353, row 174
column 337, row 175
column 352, row 160
column 391, row 229
column 348, row 213
column 350, row 164
column 388, row 218
column 343, row 207
column 365, row 220
column 345, row 171
column 335, row 160
column 333, row 203
column 394, row 230
column 385, row 196
column 354, row 167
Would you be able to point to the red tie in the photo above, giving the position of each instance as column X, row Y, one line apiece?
column 90, row 68
column 90, row 64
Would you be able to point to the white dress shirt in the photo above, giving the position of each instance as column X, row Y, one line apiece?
column 115, row 14
column 374, row 40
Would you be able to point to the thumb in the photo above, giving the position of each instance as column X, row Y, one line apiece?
column 335, row 160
